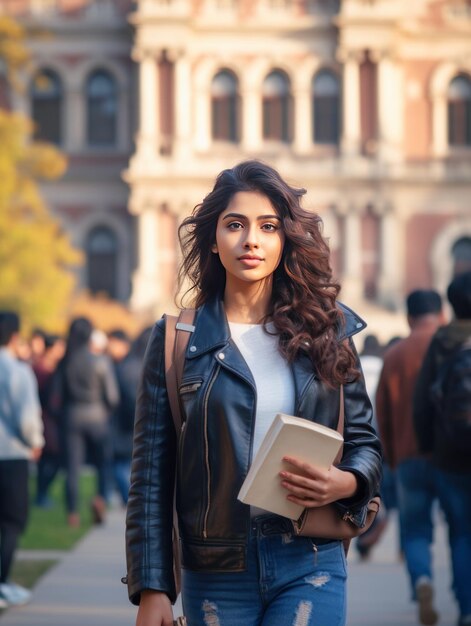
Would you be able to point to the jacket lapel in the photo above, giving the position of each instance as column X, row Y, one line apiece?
column 212, row 334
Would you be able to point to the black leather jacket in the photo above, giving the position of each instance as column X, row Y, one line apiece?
column 219, row 398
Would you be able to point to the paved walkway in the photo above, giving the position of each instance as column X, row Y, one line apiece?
column 84, row 588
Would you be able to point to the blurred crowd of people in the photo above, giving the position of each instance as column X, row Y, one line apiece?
column 65, row 402
column 420, row 387
column 78, row 408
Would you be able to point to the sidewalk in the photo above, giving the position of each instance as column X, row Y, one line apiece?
column 379, row 588
column 84, row 588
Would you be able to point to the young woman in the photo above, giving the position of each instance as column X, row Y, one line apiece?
column 269, row 337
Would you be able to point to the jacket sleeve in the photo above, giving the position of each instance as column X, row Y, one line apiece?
column 109, row 382
column 383, row 416
column 362, row 454
column 423, row 405
column 29, row 409
column 149, row 519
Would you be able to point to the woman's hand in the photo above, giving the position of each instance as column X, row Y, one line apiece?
column 311, row 486
column 155, row 609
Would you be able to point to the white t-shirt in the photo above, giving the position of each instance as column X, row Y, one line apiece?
column 272, row 374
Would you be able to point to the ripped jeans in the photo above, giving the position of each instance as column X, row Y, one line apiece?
column 290, row 581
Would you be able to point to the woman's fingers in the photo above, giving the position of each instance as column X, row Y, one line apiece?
column 309, row 487
column 316, row 493
column 306, row 468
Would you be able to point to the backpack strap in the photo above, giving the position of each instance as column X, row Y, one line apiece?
column 177, row 335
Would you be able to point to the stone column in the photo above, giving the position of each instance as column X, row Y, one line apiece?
column 202, row 118
column 303, row 121
column 183, row 105
column 74, row 107
column 351, row 135
column 390, row 103
column 352, row 282
column 251, row 119
column 440, row 125
column 146, row 289
column 392, row 258
column 148, row 135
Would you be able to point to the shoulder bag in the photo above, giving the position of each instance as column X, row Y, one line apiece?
column 327, row 522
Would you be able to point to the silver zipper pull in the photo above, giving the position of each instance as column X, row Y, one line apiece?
column 348, row 517
column 314, row 547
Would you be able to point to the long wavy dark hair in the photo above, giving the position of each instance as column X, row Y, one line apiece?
column 303, row 303
column 80, row 331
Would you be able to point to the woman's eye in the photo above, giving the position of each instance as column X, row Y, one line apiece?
column 234, row 226
column 270, row 227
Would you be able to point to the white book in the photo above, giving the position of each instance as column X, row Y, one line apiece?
column 287, row 436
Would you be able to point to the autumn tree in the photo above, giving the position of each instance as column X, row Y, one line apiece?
column 36, row 256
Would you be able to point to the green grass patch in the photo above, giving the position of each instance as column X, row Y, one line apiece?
column 27, row 572
column 47, row 528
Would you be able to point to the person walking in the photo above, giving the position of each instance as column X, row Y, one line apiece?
column 416, row 489
column 128, row 372
column 49, row 464
column 442, row 417
column 21, row 441
column 85, row 393
column 269, row 336
column 371, row 361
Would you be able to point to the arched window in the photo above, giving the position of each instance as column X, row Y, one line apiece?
column 102, row 257
column 224, row 107
column 461, row 253
column 102, row 109
column 277, row 107
column 326, row 108
column 459, row 111
column 46, row 105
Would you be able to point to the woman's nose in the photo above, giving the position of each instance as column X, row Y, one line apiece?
column 251, row 238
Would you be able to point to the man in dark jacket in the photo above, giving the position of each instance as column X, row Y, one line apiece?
column 453, row 471
column 416, row 490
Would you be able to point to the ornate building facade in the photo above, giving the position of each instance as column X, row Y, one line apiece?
column 80, row 92
column 365, row 103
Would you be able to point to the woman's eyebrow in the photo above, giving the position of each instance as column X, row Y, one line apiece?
column 244, row 217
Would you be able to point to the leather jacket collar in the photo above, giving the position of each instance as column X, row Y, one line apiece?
column 212, row 330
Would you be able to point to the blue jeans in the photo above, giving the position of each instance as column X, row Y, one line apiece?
column 289, row 581
column 416, row 492
column 454, row 491
column 122, row 476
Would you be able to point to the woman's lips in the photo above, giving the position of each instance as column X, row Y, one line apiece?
column 250, row 261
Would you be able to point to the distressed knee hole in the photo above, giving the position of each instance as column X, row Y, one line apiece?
column 319, row 580
column 210, row 613
column 303, row 613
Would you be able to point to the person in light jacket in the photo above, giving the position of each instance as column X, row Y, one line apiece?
column 21, row 441
column 269, row 337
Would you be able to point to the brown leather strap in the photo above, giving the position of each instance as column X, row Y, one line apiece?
column 177, row 335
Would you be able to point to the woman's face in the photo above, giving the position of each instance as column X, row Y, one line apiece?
column 249, row 238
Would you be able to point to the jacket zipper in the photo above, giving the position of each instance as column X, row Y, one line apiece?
column 206, row 451
column 180, row 445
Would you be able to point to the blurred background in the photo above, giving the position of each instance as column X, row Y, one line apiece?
column 116, row 116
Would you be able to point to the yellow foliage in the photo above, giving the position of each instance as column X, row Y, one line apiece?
column 13, row 51
column 36, row 256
